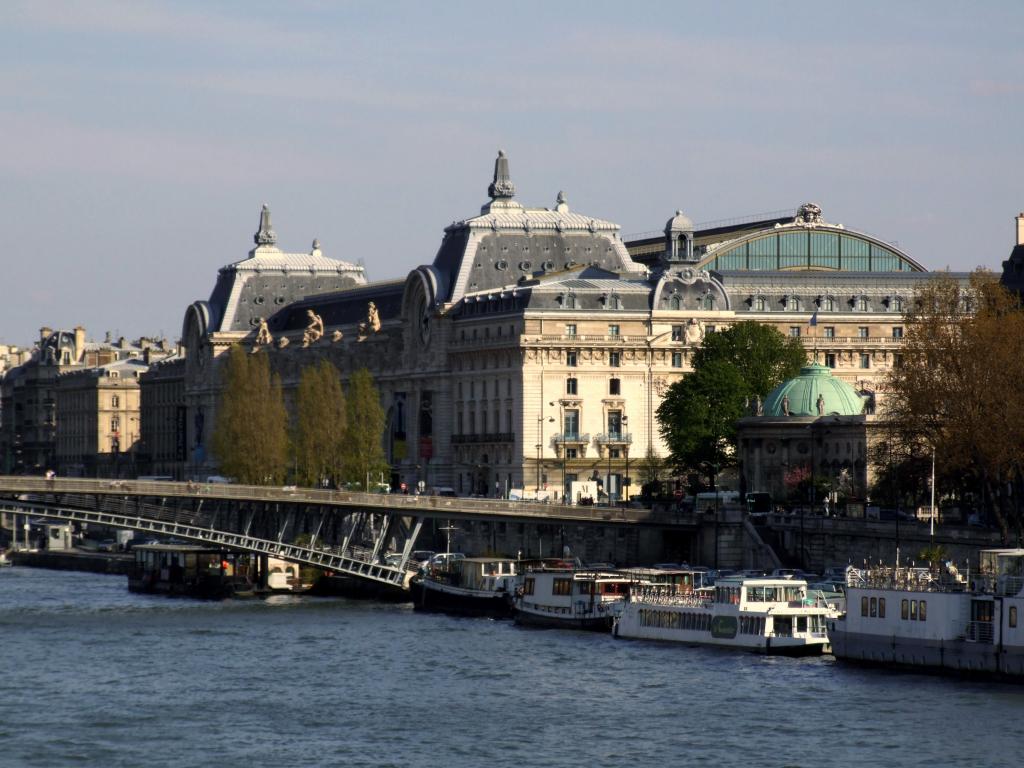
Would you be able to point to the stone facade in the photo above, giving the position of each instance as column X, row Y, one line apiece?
column 163, row 450
column 535, row 349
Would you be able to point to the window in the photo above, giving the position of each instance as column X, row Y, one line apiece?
column 115, row 424
column 528, row 586
column 881, row 607
column 570, row 453
column 614, row 359
column 828, row 304
column 913, row 610
column 759, row 304
column 897, row 304
column 830, row 332
column 570, row 358
column 1013, row 616
column 677, row 333
column 865, row 360
column 571, row 424
column 792, row 304
column 874, row 607
column 794, row 331
column 115, row 401
column 613, row 330
column 897, row 332
column 897, row 361
column 677, row 359
column 571, row 387
column 561, row 587
column 862, row 304
column 570, row 301
column 614, row 423
column 614, row 387
column 864, row 606
column 708, row 302
column 676, row 302
column 862, row 332
column 830, row 360
column 904, row 609
column 570, row 329
column 923, row 612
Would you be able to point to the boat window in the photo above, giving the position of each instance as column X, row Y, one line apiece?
column 794, row 594
column 923, row 611
column 561, row 587
column 864, row 606
column 771, row 594
column 913, row 610
column 528, row 586
column 755, row 594
column 1013, row 615
column 881, row 607
column 904, row 609
column 874, row 607
column 585, row 587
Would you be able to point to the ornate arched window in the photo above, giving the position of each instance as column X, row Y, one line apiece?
column 676, row 301
column 760, row 304
column 861, row 304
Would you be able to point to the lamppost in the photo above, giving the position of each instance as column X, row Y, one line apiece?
column 540, row 425
column 627, row 482
column 561, row 422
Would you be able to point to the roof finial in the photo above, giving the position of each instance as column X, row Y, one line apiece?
column 501, row 187
column 266, row 235
column 561, row 202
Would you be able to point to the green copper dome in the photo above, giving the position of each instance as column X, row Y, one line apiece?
column 814, row 380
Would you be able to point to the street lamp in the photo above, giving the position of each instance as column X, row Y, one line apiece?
column 625, row 446
column 561, row 421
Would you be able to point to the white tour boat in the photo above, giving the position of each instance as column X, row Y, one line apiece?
column 567, row 598
column 937, row 618
column 760, row 614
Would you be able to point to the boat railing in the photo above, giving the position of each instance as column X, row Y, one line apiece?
column 979, row 632
column 664, row 596
column 906, row 579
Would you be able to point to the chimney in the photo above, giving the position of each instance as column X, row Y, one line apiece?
column 1020, row 228
column 79, row 341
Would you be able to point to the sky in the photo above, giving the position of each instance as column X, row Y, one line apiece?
column 139, row 139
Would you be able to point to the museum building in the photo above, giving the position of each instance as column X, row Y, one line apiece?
column 537, row 346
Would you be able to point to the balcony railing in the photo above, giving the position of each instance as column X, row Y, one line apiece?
column 612, row 438
column 979, row 632
column 488, row 437
column 571, row 437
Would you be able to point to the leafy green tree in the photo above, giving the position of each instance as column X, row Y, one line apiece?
column 320, row 421
column 697, row 417
column 364, row 450
column 250, row 438
column 762, row 356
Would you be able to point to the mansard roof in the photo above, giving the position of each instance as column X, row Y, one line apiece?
column 508, row 242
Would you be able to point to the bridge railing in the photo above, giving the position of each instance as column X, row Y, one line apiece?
column 396, row 503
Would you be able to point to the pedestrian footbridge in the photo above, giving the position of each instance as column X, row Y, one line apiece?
column 341, row 531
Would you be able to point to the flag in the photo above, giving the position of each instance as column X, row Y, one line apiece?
column 814, row 319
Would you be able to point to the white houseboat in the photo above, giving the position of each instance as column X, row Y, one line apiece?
column 566, row 598
column 764, row 615
column 471, row 586
column 937, row 618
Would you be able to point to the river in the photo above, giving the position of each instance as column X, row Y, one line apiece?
column 92, row 675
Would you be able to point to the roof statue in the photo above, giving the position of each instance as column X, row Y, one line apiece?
column 808, row 214
column 815, row 392
column 266, row 234
column 561, row 202
column 314, row 330
column 501, row 187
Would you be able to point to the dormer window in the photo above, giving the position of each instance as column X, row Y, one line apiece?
column 759, row 304
column 860, row 303
column 708, row 302
column 897, row 304
column 792, row 303
column 828, row 304
column 676, row 302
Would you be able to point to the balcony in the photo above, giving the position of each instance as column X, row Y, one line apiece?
column 614, row 438
column 489, row 437
column 576, row 440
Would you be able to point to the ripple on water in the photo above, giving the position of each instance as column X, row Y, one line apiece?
column 105, row 677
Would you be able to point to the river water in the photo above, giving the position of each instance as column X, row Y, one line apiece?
column 92, row 675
